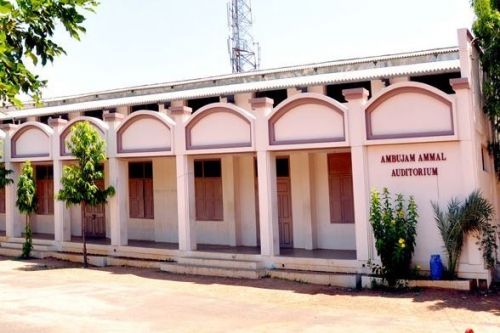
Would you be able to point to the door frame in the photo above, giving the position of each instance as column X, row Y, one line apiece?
column 289, row 186
column 100, row 184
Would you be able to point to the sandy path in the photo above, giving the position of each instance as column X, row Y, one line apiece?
column 53, row 296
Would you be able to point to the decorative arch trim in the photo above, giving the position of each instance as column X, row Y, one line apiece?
column 22, row 129
column 138, row 116
column 402, row 88
column 100, row 125
column 211, row 109
column 300, row 100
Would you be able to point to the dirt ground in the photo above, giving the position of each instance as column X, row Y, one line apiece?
column 53, row 296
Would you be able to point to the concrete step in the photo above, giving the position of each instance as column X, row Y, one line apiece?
column 153, row 264
column 321, row 278
column 8, row 252
column 98, row 261
column 37, row 247
column 38, row 241
column 146, row 254
column 220, row 263
column 16, row 253
column 239, row 273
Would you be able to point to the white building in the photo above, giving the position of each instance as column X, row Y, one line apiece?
column 273, row 167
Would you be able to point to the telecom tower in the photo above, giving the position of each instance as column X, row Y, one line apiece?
column 243, row 51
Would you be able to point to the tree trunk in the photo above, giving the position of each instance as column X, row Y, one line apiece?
column 84, row 231
column 27, row 245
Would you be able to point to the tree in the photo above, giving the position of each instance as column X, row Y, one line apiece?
column 26, row 32
column 79, row 181
column 486, row 28
column 26, row 203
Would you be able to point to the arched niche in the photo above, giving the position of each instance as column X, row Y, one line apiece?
column 145, row 132
column 219, row 125
column 32, row 139
column 409, row 110
column 307, row 118
column 99, row 125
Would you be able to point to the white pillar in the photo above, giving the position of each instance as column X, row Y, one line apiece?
column 12, row 229
column 62, row 223
column 266, row 169
column 356, row 99
column 317, row 90
column 468, row 146
column 464, row 49
column 300, row 175
column 229, row 194
column 62, row 219
column 466, row 133
column 243, row 100
column 118, row 178
column 185, row 182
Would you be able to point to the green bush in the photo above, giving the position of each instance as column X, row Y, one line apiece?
column 472, row 216
column 394, row 228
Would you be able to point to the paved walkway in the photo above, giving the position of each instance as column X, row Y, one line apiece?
column 52, row 296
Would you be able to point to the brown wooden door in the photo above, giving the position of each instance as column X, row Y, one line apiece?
column 285, row 212
column 94, row 218
column 208, row 199
column 340, row 185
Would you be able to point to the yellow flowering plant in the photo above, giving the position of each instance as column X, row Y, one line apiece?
column 394, row 227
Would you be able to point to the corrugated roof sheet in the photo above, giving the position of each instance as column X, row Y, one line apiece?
column 320, row 79
column 339, row 62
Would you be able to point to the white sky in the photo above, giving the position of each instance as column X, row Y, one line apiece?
column 134, row 42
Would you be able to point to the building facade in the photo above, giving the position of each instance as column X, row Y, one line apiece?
column 273, row 165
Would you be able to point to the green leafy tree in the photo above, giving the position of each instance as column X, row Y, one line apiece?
column 26, row 203
column 471, row 217
column 79, row 181
column 394, row 227
column 486, row 29
column 26, row 32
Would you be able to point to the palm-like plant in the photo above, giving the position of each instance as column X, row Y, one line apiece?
column 449, row 225
column 473, row 216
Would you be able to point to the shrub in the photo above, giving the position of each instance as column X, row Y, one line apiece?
column 394, row 229
column 473, row 216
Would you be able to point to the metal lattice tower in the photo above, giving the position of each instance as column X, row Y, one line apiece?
column 243, row 51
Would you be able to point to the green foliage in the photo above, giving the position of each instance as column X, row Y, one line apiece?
column 449, row 226
column 79, row 181
column 394, row 227
column 486, row 28
column 473, row 216
column 26, row 203
column 26, row 32
column 5, row 176
column 28, row 241
column 26, row 190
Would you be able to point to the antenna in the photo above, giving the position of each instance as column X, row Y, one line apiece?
column 244, row 53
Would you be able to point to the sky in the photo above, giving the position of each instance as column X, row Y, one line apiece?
column 136, row 42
